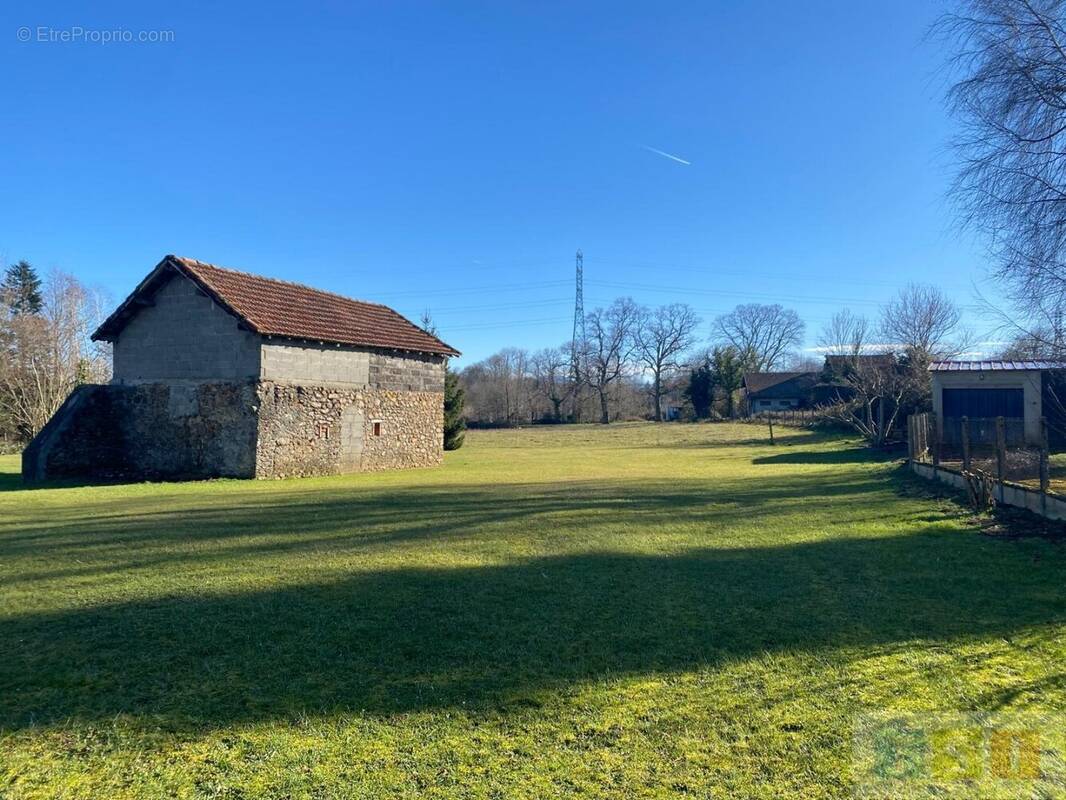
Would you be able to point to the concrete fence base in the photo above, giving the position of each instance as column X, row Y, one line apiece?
column 1007, row 493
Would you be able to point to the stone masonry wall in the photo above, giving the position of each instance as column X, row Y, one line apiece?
column 154, row 431
column 323, row 430
column 412, row 429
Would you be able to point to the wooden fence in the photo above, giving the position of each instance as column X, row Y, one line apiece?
column 982, row 430
column 789, row 416
column 926, row 447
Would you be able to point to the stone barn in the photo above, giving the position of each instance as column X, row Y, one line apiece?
column 224, row 373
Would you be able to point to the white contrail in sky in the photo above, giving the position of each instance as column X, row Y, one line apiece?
column 664, row 154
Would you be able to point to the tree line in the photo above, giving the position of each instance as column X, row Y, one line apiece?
column 638, row 362
column 45, row 349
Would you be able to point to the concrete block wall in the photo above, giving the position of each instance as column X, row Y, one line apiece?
column 184, row 335
column 306, row 363
column 299, row 363
column 406, row 372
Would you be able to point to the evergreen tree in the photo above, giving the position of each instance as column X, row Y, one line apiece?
column 21, row 289
column 728, row 365
column 700, row 390
column 454, row 422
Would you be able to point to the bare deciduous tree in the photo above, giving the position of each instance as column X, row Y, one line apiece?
column 878, row 394
column 846, row 334
column 661, row 336
column 609, row 348
column 1010, row 99
column 47, row 354
column 925, row 322
column 769, row 332
column 551, row 373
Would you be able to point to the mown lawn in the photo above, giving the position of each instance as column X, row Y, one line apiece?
column 629, row 611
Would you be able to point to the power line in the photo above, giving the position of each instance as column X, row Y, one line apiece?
column 516, row 323
column 480, row 290
column 727, row 293
column 790, row 276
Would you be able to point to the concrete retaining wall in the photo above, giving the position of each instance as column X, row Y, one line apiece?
column 1008, row 494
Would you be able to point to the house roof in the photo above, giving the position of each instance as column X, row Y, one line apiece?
column 993, row 366
column 271, row 307
column 778, row 384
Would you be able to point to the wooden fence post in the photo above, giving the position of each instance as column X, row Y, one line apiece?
column 1001, row 453
column 1044, row 473
column 770, row 421
column 936, row 440
column 965, row 444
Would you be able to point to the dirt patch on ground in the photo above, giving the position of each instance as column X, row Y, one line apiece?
column 1004, row 522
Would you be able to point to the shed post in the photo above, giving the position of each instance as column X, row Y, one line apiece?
column 1044, row 476
column 1001, row 453
column 936, row 440
column 965, row 431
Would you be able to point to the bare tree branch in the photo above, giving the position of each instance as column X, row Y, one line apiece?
column 769, row 332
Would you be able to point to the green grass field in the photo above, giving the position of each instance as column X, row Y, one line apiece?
column 629, row 611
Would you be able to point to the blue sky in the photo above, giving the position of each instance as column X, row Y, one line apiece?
column 454, row 155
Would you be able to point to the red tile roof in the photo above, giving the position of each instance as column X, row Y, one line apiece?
column 290, row 310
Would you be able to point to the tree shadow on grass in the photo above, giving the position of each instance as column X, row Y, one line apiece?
column 756, row 436
column 495, row 637
column 133, row 533
column 852, row 455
